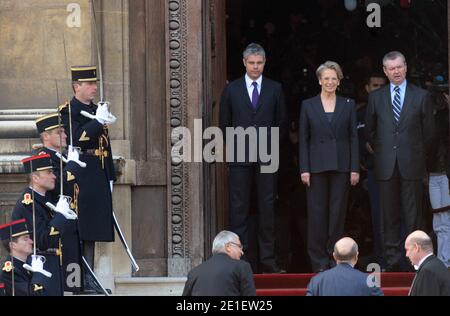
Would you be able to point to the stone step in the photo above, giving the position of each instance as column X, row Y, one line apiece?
column 149, row 286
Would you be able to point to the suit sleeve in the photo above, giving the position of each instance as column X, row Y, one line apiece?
column 304, row 139
column 37, row 283
column 429, row 285
column 187, row 291
column 311, row 289
column 371, row 121
column 247, row 284
column 354, row 141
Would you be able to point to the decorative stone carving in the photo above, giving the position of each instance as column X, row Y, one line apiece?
column 179, row 199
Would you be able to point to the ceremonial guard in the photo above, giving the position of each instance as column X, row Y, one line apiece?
column 48, row 225
column 86, row 125
column 54, row 141
column 15, row 279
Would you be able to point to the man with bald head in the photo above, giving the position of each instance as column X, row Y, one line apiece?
column 343, row 279
column 432, row 278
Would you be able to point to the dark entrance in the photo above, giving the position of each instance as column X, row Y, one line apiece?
column 299, row 36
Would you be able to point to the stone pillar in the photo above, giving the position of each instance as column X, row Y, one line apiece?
column 185, row 91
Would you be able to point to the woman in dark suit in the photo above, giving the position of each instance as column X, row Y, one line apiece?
column 329, row 162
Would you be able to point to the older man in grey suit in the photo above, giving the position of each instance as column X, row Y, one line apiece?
column 343, row 279
column 224, row 274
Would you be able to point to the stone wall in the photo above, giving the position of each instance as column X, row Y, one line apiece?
column 41, row 39
column 38, row 48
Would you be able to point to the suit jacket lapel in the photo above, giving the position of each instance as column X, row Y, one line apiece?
column 318, row 108
column 387, row 100
column 337, row 112
column 412, row 290
column 262, row 94
column 409, row 96
column 245, row 97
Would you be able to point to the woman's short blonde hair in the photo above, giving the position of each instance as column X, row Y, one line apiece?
column 330, row 65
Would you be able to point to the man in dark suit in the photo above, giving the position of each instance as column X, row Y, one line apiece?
column 399, row 125
column 256, row 104
column 343, row 279
column 432, row 278
column 224, row 274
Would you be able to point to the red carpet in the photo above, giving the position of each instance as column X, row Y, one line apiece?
column 392, row 284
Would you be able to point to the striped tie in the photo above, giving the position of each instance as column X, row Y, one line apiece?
column 397, row 107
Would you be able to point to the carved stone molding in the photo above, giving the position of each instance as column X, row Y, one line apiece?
column 178, row 197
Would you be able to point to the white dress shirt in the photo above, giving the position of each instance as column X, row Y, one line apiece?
column 249, row 83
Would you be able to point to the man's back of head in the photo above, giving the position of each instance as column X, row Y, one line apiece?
column 228, row 243
column 346, row 251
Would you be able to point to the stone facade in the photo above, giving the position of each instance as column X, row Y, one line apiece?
column 39, row 44
column 35, row 59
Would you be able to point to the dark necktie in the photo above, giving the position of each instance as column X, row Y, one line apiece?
column 255, row 95
column 397, row 107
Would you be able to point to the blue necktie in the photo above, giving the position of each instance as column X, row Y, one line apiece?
column 397, row 106
column 255, row 95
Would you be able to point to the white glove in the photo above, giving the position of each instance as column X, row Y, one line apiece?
column 111, row 185
column 102, row 113
column 111, row 118
column 73, row 155
column 37, row 265
column 63, row 208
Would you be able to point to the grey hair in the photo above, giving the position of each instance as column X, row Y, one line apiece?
column 425, row 243
column 254, row 49
column 346, row 257
column 330, row 65
column 223, row 238
column 393, row 55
